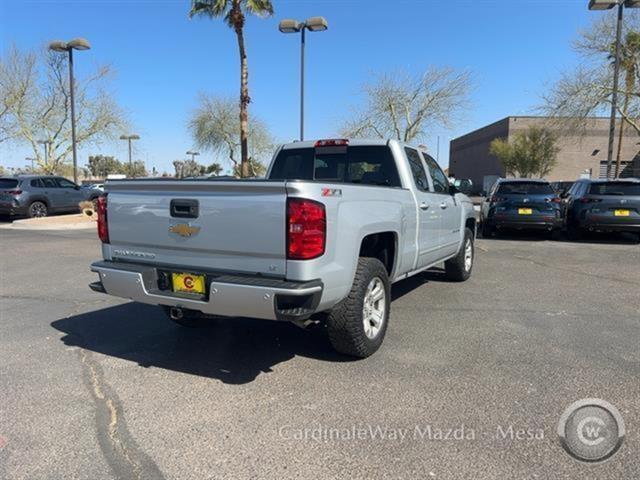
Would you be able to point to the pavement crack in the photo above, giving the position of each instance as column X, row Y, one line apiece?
column 120, row 450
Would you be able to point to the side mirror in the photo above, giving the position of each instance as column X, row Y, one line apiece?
column 463, row 185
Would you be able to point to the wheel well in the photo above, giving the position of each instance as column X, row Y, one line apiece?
column 471, row 224
column 381, row 246
column 39, row 199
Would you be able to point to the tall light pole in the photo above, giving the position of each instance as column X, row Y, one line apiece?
column 31, row 159
column 193, row 155
column 69, row 47
column 608, row 5
column 133, row 136
column 314, row 24
column 46, row 143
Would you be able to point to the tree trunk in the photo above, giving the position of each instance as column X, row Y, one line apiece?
column 237, row 18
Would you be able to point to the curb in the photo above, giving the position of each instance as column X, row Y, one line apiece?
column 31, row 225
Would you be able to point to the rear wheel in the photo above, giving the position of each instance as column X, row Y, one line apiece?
column 358, row 324
column 459, row 267
column 37, row 209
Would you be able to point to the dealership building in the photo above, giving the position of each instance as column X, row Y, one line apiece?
column 580, row 155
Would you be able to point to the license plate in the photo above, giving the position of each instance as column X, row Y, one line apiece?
column 525, row 211
column 621, row 213
column 188, row 283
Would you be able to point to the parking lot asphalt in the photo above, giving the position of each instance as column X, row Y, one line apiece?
column 93, row 387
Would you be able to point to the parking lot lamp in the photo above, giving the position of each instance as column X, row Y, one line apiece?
column 314, row 24
column 608, row 5
column 133, row 136
column 69, row 47
column 45, row 144
column 193, row 155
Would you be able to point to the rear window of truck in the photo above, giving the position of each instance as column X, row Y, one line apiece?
column 615, row 188
column 525, row 188
column 365, row 165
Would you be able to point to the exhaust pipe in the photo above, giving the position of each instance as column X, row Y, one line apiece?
column 175, row 313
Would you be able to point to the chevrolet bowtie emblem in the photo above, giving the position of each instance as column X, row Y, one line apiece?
column 184, row 229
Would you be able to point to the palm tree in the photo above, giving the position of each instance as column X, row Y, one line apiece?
column 234, row 12
column 629, row 61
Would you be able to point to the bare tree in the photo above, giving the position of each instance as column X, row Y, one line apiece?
column 214, row 125
column 403, row 106
column 587, row 90
column 37, row 106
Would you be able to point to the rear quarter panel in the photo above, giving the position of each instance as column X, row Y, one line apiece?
column 358, row 211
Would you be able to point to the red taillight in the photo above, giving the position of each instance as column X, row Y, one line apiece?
column 306, row 229
column 103, row 225
column 336, row 142
column 14, row 192
column 555, row 200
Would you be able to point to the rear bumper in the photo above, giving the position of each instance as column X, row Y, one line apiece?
column 543, row 222
column 11, row 209
column 228, row 295
column 608, row 225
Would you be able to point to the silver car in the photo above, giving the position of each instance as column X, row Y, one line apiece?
column 41, row 195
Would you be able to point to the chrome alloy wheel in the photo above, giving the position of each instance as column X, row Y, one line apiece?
column 468, row 255
column 374, row 308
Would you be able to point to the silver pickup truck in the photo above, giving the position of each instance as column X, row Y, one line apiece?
column 322, row 238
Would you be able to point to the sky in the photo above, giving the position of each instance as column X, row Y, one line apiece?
column 163, row 60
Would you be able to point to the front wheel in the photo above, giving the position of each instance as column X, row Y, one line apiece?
column 459, row 267
column 358, row 324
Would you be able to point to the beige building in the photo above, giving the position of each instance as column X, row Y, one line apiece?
column 584, row 154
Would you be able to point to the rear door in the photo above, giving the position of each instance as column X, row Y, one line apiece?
column 70, row 194
column 237, row 226
column 429, row 212
column 450, row 210
column 53, row 193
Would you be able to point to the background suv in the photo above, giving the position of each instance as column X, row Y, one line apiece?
column 521, row 204
column 603, row 206
column 41, row 195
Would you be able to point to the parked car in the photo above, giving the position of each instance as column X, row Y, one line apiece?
column 41, row 195
column 603, row 206
column 94, row 186
column 334, row 223
column 561, row 187
column 521, row 204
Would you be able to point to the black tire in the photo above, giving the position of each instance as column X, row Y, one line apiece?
column 190, row 318
column 487, row 230
column 574, row 232
column 37, row 209
column 345, row 323
column 458, row 269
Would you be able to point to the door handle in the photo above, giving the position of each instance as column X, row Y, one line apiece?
column 424, row 206
column 443, row 205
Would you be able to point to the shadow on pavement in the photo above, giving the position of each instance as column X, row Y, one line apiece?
column 234, row 350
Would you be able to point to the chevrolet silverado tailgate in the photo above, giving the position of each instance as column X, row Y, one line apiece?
column 237, row 226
